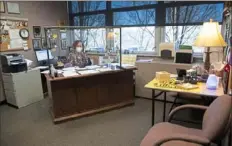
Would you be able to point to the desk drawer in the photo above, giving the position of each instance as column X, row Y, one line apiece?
column 10, row 97
column 9, row 86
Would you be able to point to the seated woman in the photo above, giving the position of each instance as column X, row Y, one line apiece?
column 77, row 57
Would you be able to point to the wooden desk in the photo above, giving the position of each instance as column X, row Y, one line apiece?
column 82, row 95
column 202, row 91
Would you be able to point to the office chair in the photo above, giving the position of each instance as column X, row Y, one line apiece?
column 215, row 125
column 184, row 56
column 166, row 50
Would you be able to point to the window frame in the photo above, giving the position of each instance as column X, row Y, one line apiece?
column 160, row 16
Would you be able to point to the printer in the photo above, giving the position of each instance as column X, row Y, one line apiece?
column 13, row 63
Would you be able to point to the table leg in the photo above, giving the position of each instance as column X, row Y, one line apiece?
column 165, row 96
column 153, row 108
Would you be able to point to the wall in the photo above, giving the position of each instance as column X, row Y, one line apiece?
column 39, row 13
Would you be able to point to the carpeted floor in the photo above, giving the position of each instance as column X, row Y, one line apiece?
column 32, row 126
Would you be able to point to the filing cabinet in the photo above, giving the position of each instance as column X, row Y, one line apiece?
column 23, row 88
column 2, row 95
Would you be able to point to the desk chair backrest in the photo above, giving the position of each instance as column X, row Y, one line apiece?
column 184, row 56
column 217, row 117
column 166, row 50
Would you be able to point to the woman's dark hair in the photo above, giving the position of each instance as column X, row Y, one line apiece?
column 76, row 42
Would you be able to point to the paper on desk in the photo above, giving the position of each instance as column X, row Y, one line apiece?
column 145, row 60
column 104, row 69
column 41, row 67
column 69, row 73
column 123, row 65
column 92, row 67
column 88, row 72
column 127, row 65
column 69, row 69
column 47, row 71
column 80, row 69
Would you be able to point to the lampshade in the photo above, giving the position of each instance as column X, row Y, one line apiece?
column 210, row 36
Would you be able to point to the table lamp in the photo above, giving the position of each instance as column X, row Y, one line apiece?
column 209, row 37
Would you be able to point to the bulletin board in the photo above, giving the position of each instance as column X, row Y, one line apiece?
column 10, row 39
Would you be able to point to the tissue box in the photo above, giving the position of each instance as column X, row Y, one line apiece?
column 163, row 76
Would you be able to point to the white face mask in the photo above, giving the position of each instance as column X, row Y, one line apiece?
column 78, row 49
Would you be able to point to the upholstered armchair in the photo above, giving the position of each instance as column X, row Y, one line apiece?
column 216, row 122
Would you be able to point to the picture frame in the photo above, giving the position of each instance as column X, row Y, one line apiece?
column 63, row 35
column 53, row 43
column 64, row 44
column 36, row 44
column 13, row 8
column 2, row 7
column 37, row 31
column 44, row 44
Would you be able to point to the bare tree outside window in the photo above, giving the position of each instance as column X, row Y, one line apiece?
column 94, row 5
column 184, row 15
column 183, row 23
column 140, row 38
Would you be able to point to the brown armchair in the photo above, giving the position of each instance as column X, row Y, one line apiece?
column 215, row 125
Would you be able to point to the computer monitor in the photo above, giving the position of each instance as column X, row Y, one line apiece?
column 42, row 55
column 184, row 56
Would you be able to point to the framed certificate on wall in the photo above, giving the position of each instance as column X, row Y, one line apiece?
column 13, row 8
column 2, row 7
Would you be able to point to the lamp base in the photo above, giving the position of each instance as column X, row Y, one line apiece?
column 207, row 59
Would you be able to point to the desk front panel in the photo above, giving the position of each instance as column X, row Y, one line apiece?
column 78, row 95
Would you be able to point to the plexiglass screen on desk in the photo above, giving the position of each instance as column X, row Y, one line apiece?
column 101, row 44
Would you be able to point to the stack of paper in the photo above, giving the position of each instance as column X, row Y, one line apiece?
column 47, row 71
column 69, row 69
column 104, row 69
column 92, row 67
column 69, row 73
column 88, row 72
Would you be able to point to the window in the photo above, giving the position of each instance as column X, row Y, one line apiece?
column 138, row 39
column 184, row 35
column 95, row 39
column 94, row 20
column 179, row 22
column 94, row 5
column 194, row 13
column 120, row 4
column 74, row 7
column 187, row 22
column 76, row 21
column 139, row 17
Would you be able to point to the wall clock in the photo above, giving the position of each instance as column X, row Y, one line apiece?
column 24, row 33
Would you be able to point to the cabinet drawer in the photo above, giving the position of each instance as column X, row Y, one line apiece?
column 7, row 78
column 9, row 86
column 10, row 97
